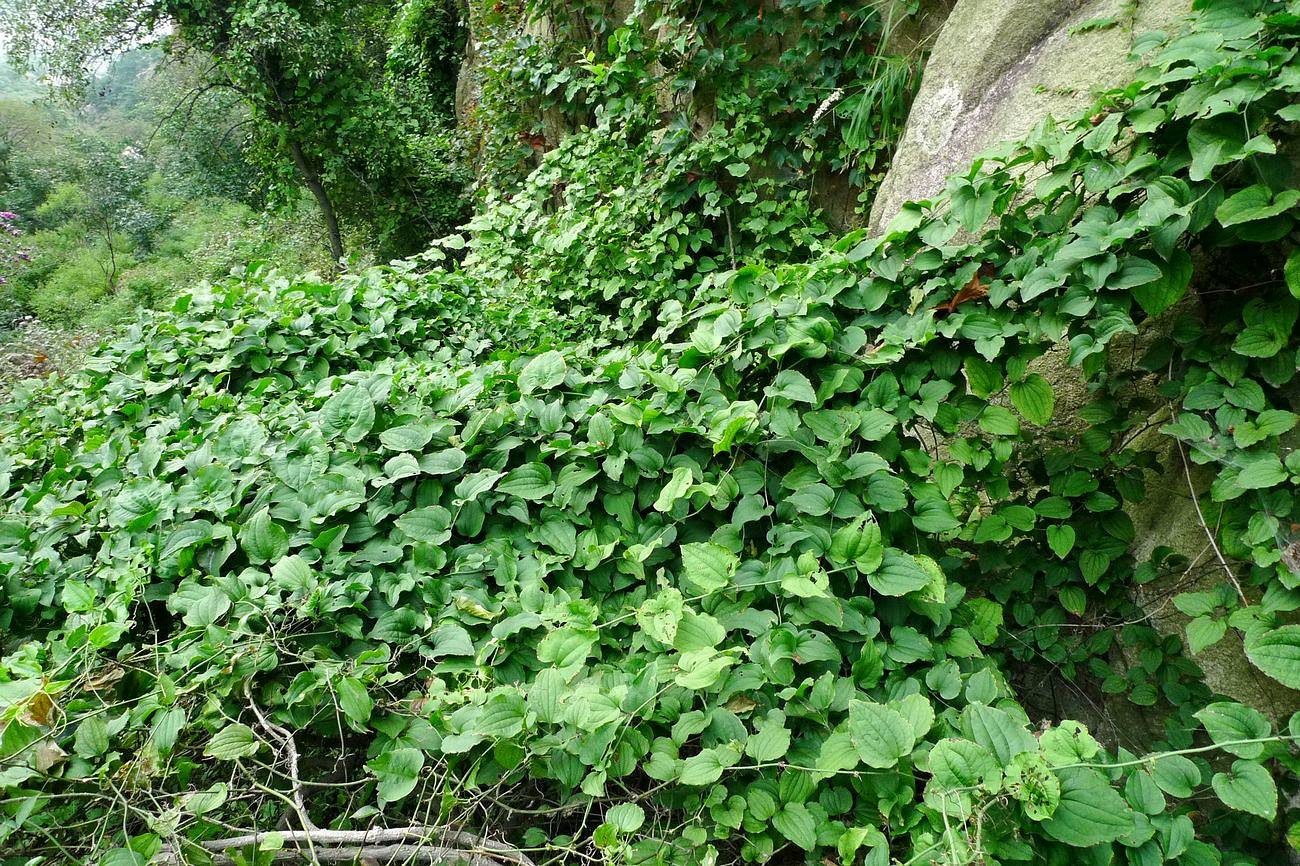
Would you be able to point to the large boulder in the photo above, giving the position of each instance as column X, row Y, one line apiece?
column 997, row 67
column 1170, row 517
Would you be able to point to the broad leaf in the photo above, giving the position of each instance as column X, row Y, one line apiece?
column 543, row 372
column 348, row 414
column 708, row 567
column 1277, row 653
column 899, row 574
column 1228, row 724
column 231, row 742
column 263, row 539
column 1090, row 812
column 1247, row 787
column 880, row 734
column 1033, row 399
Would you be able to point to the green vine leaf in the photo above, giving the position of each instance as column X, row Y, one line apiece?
column 708, row 567
column 1249, row 788
column 881, row 735
column 1255, row 203
column 542, row 373
column 1089, row 812
column 1277, row 653
column 1033, row 399
column 350, row 414
column 232, row 742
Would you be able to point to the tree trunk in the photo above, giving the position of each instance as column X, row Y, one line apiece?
column 312, row 179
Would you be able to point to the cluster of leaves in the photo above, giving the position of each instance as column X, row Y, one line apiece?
column 679, row 138
column 749, row 588
column 138, row 189
column 632, row 226
column 327, row 115
column 819, row 74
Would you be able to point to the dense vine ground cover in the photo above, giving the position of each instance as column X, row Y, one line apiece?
column 744, row 582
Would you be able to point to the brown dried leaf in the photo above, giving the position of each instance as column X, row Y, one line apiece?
column 1291, row 557
column 106, row 678
column 974, row 290
column 47, row 755
column 741, row 704
column 39, row 710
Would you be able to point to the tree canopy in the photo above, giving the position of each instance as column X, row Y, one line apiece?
column 324, row 112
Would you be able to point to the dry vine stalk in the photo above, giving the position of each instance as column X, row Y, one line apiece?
column 290, row 747
column 407, row 845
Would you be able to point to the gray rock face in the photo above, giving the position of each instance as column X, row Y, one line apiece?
column 1169, row 517
column 998, row 67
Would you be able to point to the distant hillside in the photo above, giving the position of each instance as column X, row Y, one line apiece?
column 16, row 85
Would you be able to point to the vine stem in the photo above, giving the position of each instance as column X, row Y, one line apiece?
column 1217, row 747
column 924, row 853
column 286, row 740
column 1200, row 516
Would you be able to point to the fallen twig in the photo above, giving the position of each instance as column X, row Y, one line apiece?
column 291, row 748
column 380, row 846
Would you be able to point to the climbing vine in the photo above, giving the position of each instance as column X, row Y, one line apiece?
column 679, row 140
column 737, row 565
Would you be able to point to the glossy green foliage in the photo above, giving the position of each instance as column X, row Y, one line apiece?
column 342, row 100
column 753, row 586
column 675, row 142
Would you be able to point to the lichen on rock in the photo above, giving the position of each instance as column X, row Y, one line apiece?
column 997, row 68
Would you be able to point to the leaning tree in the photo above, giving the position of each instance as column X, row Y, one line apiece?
column 325, row 112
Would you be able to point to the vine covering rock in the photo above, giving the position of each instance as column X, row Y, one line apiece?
column 742, row 578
